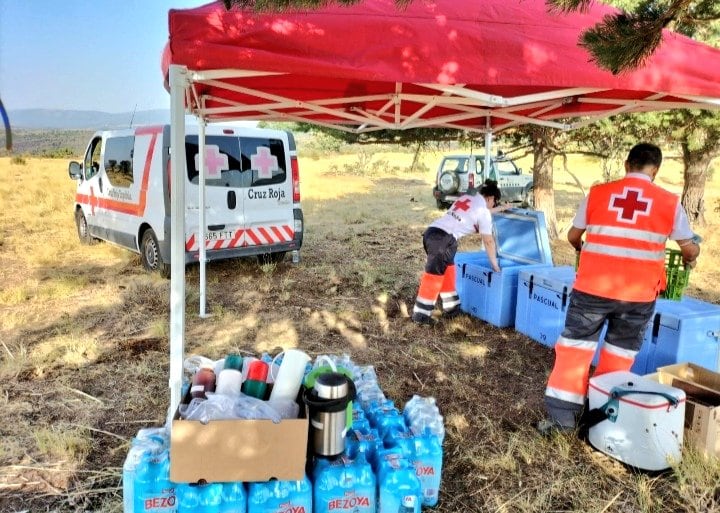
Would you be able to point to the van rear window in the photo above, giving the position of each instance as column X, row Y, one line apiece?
column 251, row 161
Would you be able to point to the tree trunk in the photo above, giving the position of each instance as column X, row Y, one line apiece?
column 416, row 156
column 544, row 156
column 697, row 164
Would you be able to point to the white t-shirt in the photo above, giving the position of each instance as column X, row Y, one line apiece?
column 469, row 214
column 681, row 226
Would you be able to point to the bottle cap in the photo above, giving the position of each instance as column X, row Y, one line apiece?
column 233, row 361
column 258, row 371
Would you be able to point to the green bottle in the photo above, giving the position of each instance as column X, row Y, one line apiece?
column 233, row 361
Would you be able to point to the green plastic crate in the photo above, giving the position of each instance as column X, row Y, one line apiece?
column 677, row 275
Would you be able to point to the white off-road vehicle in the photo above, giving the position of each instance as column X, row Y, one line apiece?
column 457, row 174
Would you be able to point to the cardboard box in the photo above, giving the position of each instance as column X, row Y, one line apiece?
column 238, row 450
column 522, row 244
column 702, row 411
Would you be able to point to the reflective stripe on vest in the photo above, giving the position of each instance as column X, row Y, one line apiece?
column 637, row 254
column 563, row 395
column 627, row 233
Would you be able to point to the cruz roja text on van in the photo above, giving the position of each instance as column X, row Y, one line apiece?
column 268, row 193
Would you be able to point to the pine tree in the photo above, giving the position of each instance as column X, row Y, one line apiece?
column 624, row 41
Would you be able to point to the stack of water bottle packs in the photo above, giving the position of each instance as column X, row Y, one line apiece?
column 364, row 454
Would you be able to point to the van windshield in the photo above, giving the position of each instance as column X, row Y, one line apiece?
column 505, row 167
column 241, row 162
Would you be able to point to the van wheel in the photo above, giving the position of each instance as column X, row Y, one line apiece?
column 150, row 255
column 449, row 182
column 82, row 228
column 271, row 258
column 442, row 205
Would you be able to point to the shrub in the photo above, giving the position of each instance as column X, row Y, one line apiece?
column 18, row 160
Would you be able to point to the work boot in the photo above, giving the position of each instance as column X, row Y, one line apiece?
column 548, row 427
column 451, row 314
column 419, row 318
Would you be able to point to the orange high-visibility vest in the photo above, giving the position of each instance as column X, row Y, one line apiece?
column 628, row 224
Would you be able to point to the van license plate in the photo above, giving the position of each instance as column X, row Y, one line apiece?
column 220, row 235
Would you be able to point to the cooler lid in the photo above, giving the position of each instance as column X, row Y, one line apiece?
column 558, row 279
column 522, row 236
column 650, row 394
column 672, row 312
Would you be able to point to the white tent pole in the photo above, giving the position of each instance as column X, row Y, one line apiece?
column 202, row 223
column 178, row 80
column 488, row 147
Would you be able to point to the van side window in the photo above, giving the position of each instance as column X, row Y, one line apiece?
column 119, row 160
column 92, row 158
column 228, row 147
column 265, row 158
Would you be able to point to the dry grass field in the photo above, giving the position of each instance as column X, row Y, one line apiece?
column 84, row 346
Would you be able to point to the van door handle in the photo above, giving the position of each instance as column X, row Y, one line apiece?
column 216, row 227
column 100, row 183
column 231, row 200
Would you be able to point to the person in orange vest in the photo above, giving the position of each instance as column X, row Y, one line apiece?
column 621, row 271
column 468, row 214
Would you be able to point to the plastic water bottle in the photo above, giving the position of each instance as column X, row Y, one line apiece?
column 408, row 504
column 152, row 490
column 210, row 498
column 147, row 440
column 134, row 458
column 366, row 441
column 422, row 413
column 428, row 466
column 359, row 420
column 397, row 481
column 290, row 375
column 188, row 497
column 234, row 498
column 389, row 420
column 403, row 440
column 280, row 496
column 343, row 484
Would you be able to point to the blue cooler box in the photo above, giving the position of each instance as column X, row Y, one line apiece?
column 467, row 257
column 523, row 244
column 681, row 331
column 542, row 300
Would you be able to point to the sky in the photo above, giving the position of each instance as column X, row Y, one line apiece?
column 84, row 54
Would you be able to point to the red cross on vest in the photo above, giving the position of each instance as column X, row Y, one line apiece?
column 462, row 205
column 630, row 204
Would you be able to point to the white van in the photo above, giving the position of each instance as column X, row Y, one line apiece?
column 252, row 193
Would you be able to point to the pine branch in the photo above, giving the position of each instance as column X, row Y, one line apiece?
column 622, row 41
column 566, row 6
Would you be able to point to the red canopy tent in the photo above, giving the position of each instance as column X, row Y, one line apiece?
column 477, row 65
column 468, row 64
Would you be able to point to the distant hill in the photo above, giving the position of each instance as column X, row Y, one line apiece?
column 84, row 119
